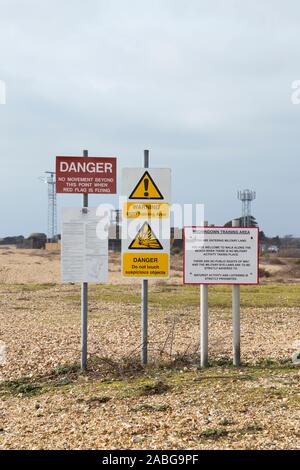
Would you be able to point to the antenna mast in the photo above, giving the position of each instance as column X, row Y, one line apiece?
column 52, row 213
column 246, row 196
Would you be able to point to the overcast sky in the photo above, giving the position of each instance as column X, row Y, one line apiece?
column 204, row 84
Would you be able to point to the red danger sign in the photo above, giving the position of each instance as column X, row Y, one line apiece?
column 86, row 175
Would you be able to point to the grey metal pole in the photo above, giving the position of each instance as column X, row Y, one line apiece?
column 53, row 210
column 144, row 312
column 236, row 322
column 84, row 303
column 204, row 325
column 204, row 322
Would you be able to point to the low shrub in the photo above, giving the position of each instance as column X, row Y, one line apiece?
column 264, row 273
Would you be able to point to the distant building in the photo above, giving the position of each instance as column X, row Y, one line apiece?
column 34, row 241
column 273, row 249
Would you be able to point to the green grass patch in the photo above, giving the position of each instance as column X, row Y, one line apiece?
column 151, row 408
column 156, row 388
column 62, row 375
column 165, row 296
column 36, row 287
column 177, row 297
column 31, row 287
column 250, row 429
column 22, row 386
column 214, row 433
column 64, row 369
column 101, row 385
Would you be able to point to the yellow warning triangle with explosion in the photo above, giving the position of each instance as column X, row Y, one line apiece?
column 146, row 189
column 145, row 239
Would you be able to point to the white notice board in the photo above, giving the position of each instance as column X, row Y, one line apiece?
column 84, row 252
column 221, row 255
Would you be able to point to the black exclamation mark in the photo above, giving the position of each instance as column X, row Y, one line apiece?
column 146, row 185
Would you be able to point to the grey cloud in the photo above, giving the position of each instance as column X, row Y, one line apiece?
column 206, row 85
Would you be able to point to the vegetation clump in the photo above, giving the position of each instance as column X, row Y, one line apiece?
column 157, row 388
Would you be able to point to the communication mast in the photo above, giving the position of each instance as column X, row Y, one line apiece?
column 246, row 196
column 52, row 213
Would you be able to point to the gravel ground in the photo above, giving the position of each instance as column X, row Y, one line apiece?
column 46, row 403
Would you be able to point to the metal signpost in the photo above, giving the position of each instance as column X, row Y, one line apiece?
column 84, row 298
column 84, row 255
column 144, row 310
column 146, row 232
column 204, row 322
column 204, row 325
column 236, row 327
column 221, row 255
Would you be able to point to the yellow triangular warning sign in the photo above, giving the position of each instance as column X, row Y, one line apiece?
column 145, row 239
column 146, row 189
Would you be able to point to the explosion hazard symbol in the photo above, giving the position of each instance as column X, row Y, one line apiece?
column 145, row 239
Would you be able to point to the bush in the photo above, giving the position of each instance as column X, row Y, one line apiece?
column 156, row 388
column 264, row 273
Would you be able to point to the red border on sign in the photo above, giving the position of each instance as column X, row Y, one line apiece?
column 221, row 283
column 95, row 189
